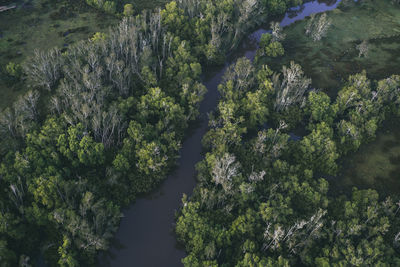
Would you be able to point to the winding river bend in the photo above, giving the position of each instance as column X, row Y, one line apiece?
column 146, row 237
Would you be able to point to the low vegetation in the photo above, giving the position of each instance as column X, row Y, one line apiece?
column 362, row 35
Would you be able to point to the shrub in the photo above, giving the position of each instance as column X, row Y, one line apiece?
column 14, row 70
column 128, row 10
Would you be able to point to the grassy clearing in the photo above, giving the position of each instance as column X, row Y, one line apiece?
column 330, row 61
column 375, row 165
column 27, row 28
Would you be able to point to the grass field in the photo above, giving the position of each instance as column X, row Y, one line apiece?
column 375, row 165
column 330, row 61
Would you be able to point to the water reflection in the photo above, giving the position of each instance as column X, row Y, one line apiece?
column 306, row 9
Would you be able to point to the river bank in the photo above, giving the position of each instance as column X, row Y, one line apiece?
column 148, row 225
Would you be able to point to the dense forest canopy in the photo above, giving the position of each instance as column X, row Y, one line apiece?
column 261, row 198
column 101, row 121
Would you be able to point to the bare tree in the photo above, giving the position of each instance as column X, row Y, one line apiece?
column 277, row 34
column 29, row 102
column 219, row 25
column 362, row 48
column 19, row 119
column 292, row 89
column 44, row 69
column 17, row 191
column 7, row 122
column 246, row 9
column 295, row 237
column 318, row 26
column 24, row 261
column 225, row 168
column 241, row 74
column 257, row 176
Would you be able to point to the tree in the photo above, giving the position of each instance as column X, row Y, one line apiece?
column 277, row 34
column 173, row 17
column 270, row 46
column 44, row 68
column 362, row 216
column 274, row 49
column 224, row 170
column 256, row 107
column 79, row 145
column 291, row 90
column 14, row 70
column 237, row 80
column 320, row 109
column 362, row 48
column 317, row 151
column 67, row 257
column 318, row 26
column 128, row 10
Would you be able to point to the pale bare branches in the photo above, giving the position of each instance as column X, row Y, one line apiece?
column 219, row 25
column 296, row 236
column 240, row 74
column 277, row 34
column 19, row 119
column 44, row 69
column 191, row 7
column 318, row 26
column 293, row 86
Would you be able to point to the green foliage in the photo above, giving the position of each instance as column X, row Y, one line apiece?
column 106, row 6
column 79, row 146
column 269, row 47
column 173, row 17
column 276, row 6
column 274, row 49
column 317, row 150
column 67, row 258
column 260, row 200
column 121, row 104
column 128, row 10
column 109, row 7
column 319, row 108
column 265, row 40
column 98, row 36
column 352, row 221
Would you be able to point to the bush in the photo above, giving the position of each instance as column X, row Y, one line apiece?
column 128, row 10
column 98, row 36
column 110, row 7
column 14, row 70
column 274, row 49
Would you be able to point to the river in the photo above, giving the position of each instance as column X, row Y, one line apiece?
column 146, row 233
